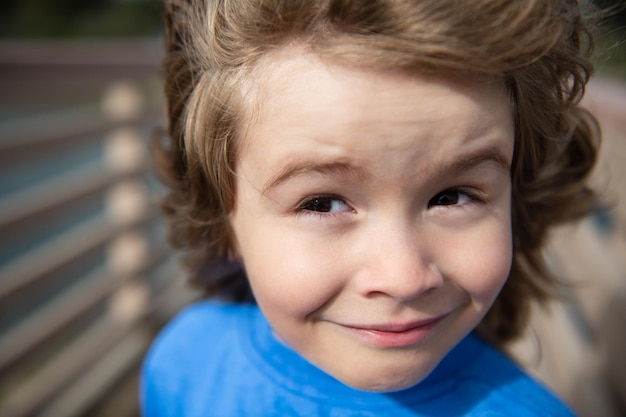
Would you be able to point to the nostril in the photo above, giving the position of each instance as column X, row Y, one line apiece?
column 429, row 291
column 372, row 295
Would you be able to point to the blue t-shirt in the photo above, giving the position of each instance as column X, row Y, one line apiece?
column 223, row 360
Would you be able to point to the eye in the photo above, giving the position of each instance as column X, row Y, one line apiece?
column 324, row 204
column 450, row 198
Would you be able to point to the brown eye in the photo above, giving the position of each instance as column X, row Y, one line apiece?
column 324, row 204
column 320, row 204
column 449, row 198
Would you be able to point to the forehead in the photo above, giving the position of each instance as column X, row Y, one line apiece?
column 291, row 86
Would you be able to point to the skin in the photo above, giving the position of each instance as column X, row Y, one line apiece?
column 372, row 214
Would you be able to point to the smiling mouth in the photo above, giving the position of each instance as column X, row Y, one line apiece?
column 394, row 335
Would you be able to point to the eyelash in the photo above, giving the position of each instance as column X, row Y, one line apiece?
column 474, row 197
column 301, row 209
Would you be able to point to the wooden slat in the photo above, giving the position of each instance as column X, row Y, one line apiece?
column 142, row 53
column 51, row 128
column 71, row 304
column 37, row 136
column 26, row 398
column 58, row 377
column 50, row 318
column 88, row 388
column 67, row 126
column 59, row 252
column 55, row 192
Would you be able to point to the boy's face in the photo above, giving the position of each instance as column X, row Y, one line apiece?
column 373, row 214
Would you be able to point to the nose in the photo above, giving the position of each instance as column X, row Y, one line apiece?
column 399, row 264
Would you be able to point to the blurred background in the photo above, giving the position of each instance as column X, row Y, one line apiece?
column 86, row 276
column 85, row 273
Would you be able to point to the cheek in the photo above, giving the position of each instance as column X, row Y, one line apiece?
column 480, row 263
column 287, row 274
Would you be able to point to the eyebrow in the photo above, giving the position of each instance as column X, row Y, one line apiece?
column 484, row 156
column 330, row 169
column 347, row 169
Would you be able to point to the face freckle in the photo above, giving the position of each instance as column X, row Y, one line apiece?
column 373, row 214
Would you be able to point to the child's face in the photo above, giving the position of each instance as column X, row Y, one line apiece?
column 373, row 215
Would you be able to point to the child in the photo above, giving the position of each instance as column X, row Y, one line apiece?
column 366, row 186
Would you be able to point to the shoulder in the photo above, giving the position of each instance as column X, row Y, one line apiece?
column 189, row 355
column 513, row 392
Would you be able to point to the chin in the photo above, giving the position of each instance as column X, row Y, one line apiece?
column 384, row 383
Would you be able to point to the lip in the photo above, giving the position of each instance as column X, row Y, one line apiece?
column 394, row 334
